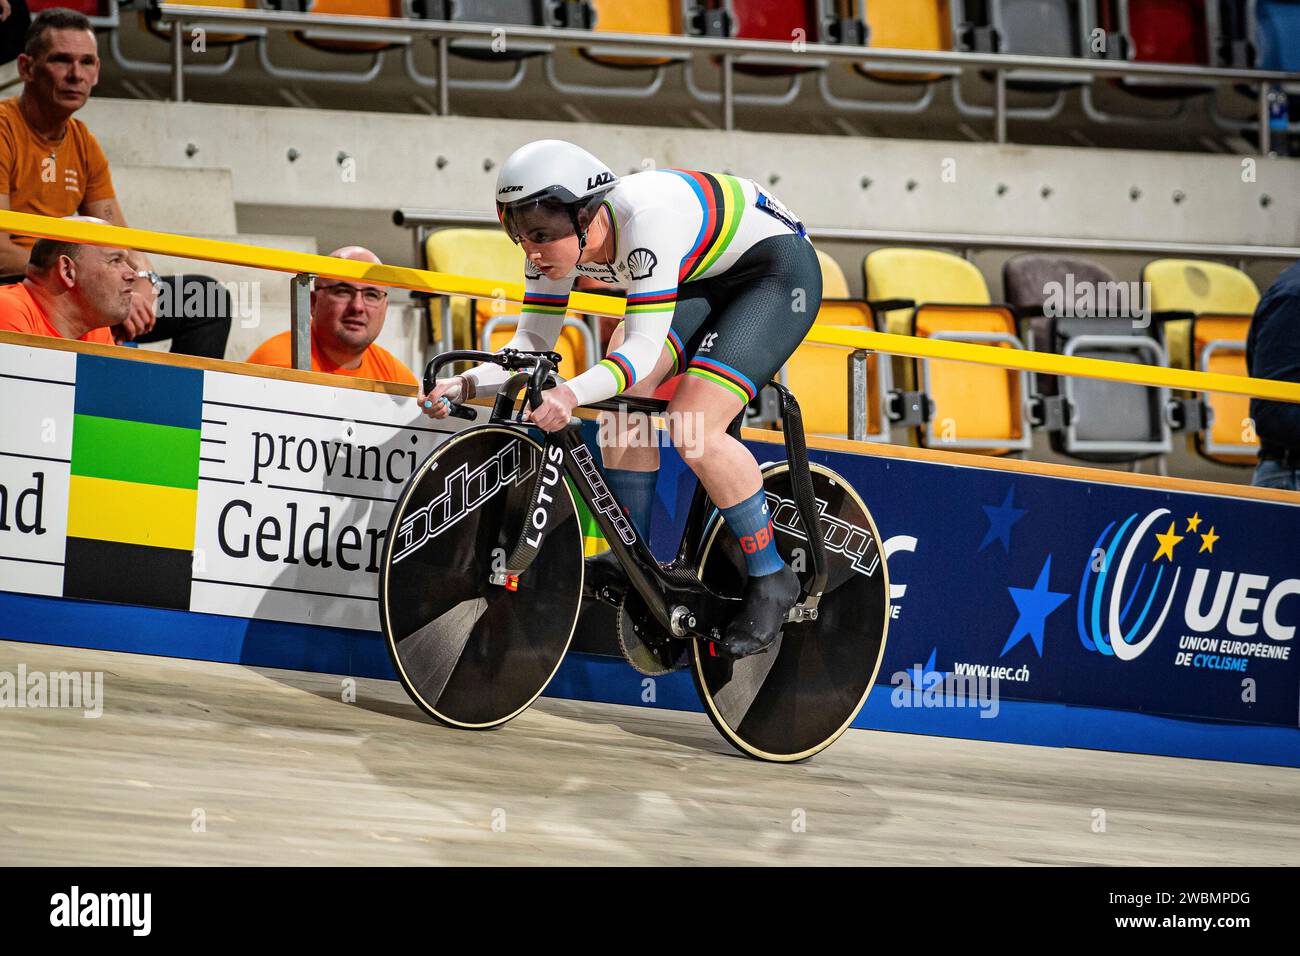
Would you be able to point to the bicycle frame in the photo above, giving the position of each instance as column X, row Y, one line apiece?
column 677, row 599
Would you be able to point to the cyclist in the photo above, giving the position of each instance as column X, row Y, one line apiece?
column 722, row 284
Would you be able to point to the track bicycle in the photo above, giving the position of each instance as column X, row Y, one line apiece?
column 481, row 582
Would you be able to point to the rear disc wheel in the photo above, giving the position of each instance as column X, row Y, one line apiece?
column 795, row 699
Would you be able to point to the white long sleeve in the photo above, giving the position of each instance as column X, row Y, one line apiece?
column 540, row 322
column 651, row 250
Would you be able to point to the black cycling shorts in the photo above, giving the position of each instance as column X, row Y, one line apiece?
column 739, row 328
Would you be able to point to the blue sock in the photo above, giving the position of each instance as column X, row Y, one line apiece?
column 752, row 526
column 635, row 491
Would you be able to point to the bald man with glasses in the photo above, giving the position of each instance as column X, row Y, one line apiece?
column 346, row 318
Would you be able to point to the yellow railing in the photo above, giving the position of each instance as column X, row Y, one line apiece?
column 279, row 260
column 440, row 283
column 1048, row 363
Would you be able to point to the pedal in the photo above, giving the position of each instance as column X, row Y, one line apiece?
column 723, row 666
column 503, row 580
column 799, row 613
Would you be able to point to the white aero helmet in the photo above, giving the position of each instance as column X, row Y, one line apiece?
column 543, row 186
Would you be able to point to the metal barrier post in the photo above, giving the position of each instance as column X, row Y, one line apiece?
column 857, row 425
column 445, row 329
column 1000, row 106
column 1265, row 137
column 728, row 95
column 300, row 319
column 444, row 95
column 178, row 60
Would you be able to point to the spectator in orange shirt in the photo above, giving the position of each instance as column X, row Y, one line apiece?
column 70, row 291
column 346, row 318
column 51, row 165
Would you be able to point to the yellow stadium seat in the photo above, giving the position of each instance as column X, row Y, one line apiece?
column 973, row 402
column 1219, row 344
column 353, row 8
column 973, row 407
column 834, row 284
column 482, row 253
column 489, row 254
column 164, row 30
column 651, row 17
column 818, row 375
column 570, row 347
column 908, row 25
column 1199, row 287
column 921, row 275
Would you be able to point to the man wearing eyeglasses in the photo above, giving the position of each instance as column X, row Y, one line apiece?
column 346, row 318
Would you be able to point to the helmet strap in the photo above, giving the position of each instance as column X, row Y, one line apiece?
column 578, row 231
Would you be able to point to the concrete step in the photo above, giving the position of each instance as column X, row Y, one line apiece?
column 175, row 199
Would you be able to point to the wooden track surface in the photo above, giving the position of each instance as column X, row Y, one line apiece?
column 285, row 772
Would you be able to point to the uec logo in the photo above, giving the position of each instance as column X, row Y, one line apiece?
column 1107, row 601
column 1101, row 588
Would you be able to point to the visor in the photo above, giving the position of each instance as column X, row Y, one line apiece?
column 538, row 220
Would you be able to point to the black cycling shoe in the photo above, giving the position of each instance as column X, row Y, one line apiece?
column 602, row 572
column 758, row 623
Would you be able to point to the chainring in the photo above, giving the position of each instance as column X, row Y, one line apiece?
column 645, row 644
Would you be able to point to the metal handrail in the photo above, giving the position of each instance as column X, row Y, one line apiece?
column 413, row 218
column 380, row 27
column 731, row 50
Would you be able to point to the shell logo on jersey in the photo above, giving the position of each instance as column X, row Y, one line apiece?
column 641, row 263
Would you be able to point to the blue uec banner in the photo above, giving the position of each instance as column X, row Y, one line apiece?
column 1073, row 591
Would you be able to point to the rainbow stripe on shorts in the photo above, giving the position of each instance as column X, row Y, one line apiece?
column 722, row 374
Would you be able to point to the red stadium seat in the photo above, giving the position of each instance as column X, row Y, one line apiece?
column 1163, row 31
column 782, row 21
column 774, row 20
column 91, row 8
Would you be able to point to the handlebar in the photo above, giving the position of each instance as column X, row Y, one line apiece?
column 543, row 364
